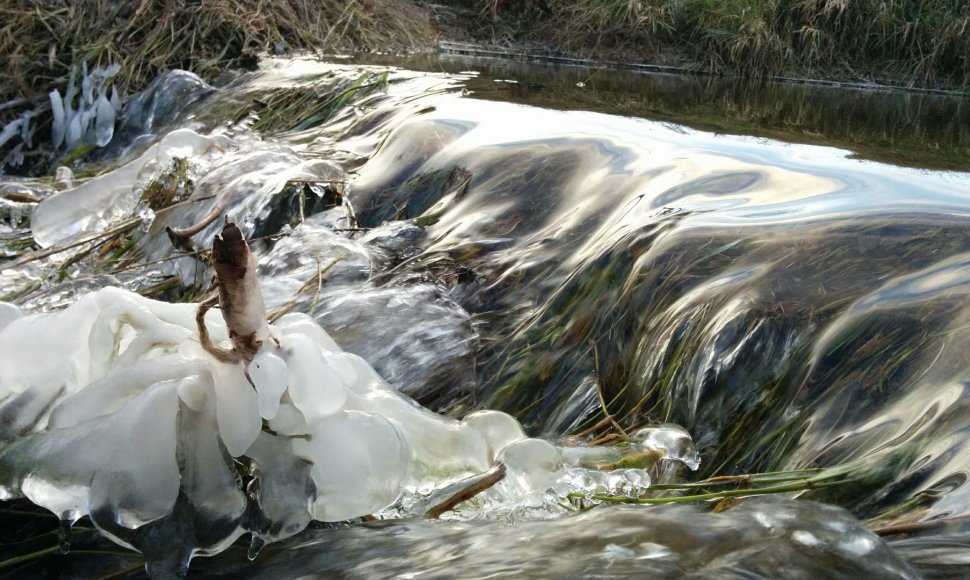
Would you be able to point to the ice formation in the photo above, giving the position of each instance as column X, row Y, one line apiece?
column 91, row 118
column 91, row 206
column 112, row 409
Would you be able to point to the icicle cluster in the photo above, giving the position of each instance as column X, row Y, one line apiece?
column 85, row 114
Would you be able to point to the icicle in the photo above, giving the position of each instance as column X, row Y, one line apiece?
column 26, row 129
column 104, row 124
column 74, row 132
column 71, row 89
column 255, row 545
column 64, row 533
column 111, row 70
column 115, row 99
column 87, row 90
column 10, row 130
column 58, row 125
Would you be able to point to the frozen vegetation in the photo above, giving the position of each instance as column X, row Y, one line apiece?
column 115, row 411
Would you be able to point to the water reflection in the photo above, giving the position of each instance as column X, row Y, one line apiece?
column 762, row 539
column 922, row 130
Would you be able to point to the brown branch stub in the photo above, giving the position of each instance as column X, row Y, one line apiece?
column 239, row 298
column 181, row 238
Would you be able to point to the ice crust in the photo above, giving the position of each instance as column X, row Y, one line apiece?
column 112, row 409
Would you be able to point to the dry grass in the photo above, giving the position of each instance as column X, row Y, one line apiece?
column 910, row 41
column 41, row 39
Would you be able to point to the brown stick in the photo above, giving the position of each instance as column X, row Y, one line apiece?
column 180, row 237
column 910, row 528
column 210, row 347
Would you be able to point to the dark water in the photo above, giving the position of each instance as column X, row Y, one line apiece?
column 783, row 270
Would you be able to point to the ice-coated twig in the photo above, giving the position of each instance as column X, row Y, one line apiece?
column 450, row 496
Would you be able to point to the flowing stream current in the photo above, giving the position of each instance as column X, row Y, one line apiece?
column 787, row 282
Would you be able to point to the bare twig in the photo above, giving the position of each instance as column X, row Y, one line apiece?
column 279, row 312
column 181, row 237
column 602, row 398
column 210, row 347
column 912, row 527
column 41, row 254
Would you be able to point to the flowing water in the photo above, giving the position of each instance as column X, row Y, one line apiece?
column 782, row 270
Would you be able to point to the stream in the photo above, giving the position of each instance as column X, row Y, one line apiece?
column 779, row 270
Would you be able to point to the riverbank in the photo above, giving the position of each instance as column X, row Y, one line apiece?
column 896, row 42
column 41, row 41
column 924, row 44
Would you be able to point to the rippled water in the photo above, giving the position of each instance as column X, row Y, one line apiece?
column 791, row 305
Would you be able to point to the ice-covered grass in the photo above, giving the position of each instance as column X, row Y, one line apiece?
column 103, row 200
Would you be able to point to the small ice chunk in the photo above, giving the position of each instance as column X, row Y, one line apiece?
column 613, row 552
column 271, row 377
column 652, row 551
column 673, row 440
column 497, row 428
column 533, row 465
column 63, row 178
